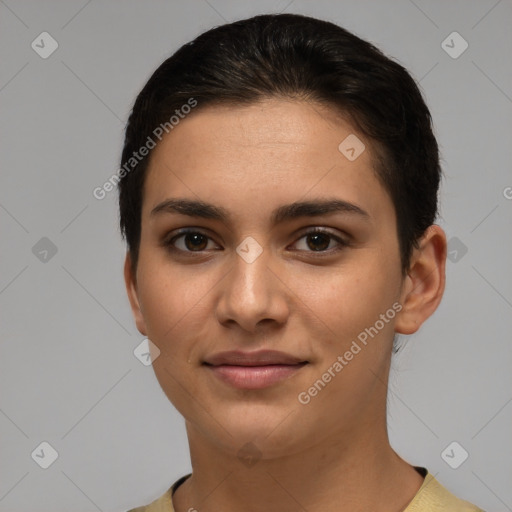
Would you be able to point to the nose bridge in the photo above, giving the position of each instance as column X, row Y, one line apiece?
column 251, row 293
column 250, row 274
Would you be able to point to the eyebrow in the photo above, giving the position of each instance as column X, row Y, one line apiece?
column 313, row 208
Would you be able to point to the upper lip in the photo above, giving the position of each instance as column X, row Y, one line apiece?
column 258, row 358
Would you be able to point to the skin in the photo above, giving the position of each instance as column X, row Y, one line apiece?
column 332, row 454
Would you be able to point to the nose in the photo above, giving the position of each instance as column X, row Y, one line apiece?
column 252, row 295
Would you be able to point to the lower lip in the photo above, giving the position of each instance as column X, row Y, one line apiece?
column 254, row 377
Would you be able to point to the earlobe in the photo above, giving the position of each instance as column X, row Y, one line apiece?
column 425, row 281
column 131, row 290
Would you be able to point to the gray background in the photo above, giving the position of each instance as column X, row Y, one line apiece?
column 68, row 374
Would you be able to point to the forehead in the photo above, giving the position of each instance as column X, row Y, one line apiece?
column 267, row 153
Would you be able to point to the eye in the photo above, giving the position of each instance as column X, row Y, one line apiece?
column 189, row 241
column 317, row 240
column 321, row 240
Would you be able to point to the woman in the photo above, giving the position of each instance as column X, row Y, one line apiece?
column 278, row 193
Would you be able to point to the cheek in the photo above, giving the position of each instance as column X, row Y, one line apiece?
column 173, row 301
column 350, row 298
column 175, row 310
column 356, row 309
column 162, row 300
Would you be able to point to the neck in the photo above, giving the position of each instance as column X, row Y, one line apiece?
column 349, row 471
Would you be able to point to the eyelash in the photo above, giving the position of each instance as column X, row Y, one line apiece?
column 169, row 242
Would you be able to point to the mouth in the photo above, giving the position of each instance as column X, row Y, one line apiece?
column 254, row 370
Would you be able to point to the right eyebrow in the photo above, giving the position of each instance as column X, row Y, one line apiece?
column 192, row 208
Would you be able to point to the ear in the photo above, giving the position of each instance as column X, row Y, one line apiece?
column 424, row 284
column 131, row 289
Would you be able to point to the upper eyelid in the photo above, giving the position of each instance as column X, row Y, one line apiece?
column 186, row 231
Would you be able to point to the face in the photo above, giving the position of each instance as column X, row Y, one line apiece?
column 292, row 248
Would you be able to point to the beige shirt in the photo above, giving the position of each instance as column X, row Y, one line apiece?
column 431, row 497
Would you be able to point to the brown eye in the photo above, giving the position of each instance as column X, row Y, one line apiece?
column 190, row 241
column 195, row 241
column 320, row 240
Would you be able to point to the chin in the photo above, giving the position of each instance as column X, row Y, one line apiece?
column 272, row 434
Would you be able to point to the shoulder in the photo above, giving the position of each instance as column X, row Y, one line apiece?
column 431, row 497
column 434, row 497
column 161, row 504
column 164, row 502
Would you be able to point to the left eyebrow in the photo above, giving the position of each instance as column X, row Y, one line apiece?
column 314, row 208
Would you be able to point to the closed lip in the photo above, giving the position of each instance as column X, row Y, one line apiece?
column 258, row 358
